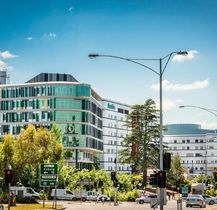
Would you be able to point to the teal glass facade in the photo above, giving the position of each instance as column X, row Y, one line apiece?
column 72, row 106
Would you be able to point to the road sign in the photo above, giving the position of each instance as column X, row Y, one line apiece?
column 185, row 191
column 48, row 174
column 153, row 202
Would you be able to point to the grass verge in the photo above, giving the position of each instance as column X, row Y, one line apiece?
column 31, row 207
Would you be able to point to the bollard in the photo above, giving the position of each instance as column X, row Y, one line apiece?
column 179, row 204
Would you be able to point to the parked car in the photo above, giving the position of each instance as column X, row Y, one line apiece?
column 24, row 192
column 102, row 198
column 145, row 199
column 63, row 194
column 209, row 199
column 195, row 200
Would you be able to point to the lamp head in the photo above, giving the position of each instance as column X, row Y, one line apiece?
column 182, row 106
column 184, row 53
column 91, row 56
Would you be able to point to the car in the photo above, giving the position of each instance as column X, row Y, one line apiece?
column 145, row 198
column 103, row 198
column 209, row 199
column 195, row 200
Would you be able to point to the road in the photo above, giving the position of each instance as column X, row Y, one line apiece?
column 171, row 205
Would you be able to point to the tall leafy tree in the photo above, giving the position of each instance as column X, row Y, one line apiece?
column 175, row 176
column 141, row 148
column 35, row 146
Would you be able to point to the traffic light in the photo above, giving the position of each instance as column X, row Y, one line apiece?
column 166, row 161
column 153, row 179
column 100, row 183
column 8, row 176
column 114, row 178
column 113, row 175
column 161, row 179
column 215, row 176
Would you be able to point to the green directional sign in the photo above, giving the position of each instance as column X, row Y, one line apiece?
column 48, row 174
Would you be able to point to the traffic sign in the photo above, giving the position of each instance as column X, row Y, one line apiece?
column 48, row 174
column 154, row 202
column 185, row 191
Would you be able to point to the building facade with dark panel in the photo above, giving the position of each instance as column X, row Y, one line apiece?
column 56, row 98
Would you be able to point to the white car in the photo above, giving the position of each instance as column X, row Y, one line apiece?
column 102, row 198
column 145, row 199
column 195, row 200
column 209, row 199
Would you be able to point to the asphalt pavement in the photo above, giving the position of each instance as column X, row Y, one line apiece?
column 171, row 205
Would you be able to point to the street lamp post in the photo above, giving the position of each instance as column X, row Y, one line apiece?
column 160, row 74
column 211, row 111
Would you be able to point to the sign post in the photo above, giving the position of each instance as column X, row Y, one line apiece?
column 49, row 176
column 179, row 204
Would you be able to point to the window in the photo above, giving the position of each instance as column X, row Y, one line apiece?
column 183, row 141
column 188, row 140
column 175, row 141
column 188, row 148
column 196, row 140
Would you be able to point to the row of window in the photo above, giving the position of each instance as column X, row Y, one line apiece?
column 197, row 161
column 46, row 90
column 69, row 141
column 28, row 116
column 191, row 148
column 189, row 141
column 120, row 168
column 60, row 103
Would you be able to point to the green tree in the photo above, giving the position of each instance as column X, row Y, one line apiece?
column 35, row 146
column 6, row 154
column 143, row 121
column 175, row 176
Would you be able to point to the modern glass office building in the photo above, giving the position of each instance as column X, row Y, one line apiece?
column 56, row 98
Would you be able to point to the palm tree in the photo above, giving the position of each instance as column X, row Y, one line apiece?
column 141, row 145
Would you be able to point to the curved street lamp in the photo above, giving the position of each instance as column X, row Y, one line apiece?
column 159, row 72
column 211, row 111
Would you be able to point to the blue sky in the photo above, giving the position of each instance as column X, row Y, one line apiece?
column 57, row 36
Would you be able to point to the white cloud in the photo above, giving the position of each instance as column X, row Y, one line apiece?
column 208, row 125
column 52, row 35
column 168, row 86
column 3, row 65
column 180, row 58
column 29, row 38
column 7, row 55
column 169, row 104
column 71, row 8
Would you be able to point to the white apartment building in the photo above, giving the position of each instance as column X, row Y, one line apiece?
column 114, row 131
column 197, row 147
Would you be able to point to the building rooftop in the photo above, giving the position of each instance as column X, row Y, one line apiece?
column 52, row 77
column 182, row 129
